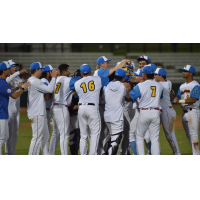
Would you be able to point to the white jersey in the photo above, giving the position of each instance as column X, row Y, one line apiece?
column 36, row 102
column 189, row 90
column 62, row 91
column 136, row 103
column 95, row 73
column 115, row 93
column 49, row 101
column 14, row 104
column 151, row 92
column 165, row 101
column 88, row 89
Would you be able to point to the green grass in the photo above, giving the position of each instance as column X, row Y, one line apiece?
column 25, row 136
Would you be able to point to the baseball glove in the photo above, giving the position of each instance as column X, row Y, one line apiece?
column 172, row 95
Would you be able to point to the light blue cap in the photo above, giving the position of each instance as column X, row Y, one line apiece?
column 47, row 68
column 36, row 65
column 5, row 65
column 160, row 71
column 148, row 69
column 120, row 72
column 102, row 59
column 85, row 69
column 189, row 68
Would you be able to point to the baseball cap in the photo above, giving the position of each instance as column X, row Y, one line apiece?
column 144, row 58
column 4, row 65
column 138, row 72
column 188, row 68
column 120, row 72
column 47, row 68
column 85, row 68
column 148, row 69
column 102, row 59
column 36, row 65
column 160, row 71
column 12, row 63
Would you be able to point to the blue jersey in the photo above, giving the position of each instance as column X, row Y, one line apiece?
column 5, row 92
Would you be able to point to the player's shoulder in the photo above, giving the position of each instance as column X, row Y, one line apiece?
column 96, row 73
column 195, row 83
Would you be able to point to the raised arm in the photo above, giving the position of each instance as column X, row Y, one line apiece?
column 11, row 77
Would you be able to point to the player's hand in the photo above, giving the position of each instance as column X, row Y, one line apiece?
column 55, row 73
column 75, row 107
column 128, row 86
column 23, row 71
column 20, row 84
column 26, row 85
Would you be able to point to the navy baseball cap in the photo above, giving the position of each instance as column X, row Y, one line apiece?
column 160, row 71
column 5, row 65
column 12, row 63
column 144, row 58
column 102, row 59
column 85, row 69
column 148, row 69
column 138, row 72
column 188, row 68
column 36, row 65
column 47, row 68
column 120, row 72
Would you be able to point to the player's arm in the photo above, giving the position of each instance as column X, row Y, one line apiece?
column 19, row 93
column 18, row 86
column 121, row 64
column 128, row 89
column 135, row 93
column 11, row 77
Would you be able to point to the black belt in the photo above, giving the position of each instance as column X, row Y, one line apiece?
column 186, row 111
column 91, row 104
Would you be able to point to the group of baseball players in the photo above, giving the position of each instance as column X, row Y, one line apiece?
column 108, row 112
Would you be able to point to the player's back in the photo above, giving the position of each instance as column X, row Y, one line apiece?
column 165, row 101
column 151, row 92
column 88, row 89
column 62, row 91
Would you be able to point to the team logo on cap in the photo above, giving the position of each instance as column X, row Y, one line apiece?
column 9, row 91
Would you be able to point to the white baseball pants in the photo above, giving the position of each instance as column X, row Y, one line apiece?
column 4, row 134
column 61, row 118
column 148, row 119
column 89, row 118
column 13, row 126
column 38, row 124
column 190, row 122
column 168, row 117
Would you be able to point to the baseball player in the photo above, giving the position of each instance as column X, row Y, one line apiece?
column 46, row 78
column 15, row 83
column 168, row 114
column 150, row 93
column 61, row 117
column 143, row 60
column 115, row 93
column 6, row 92
column 36, row 105
column 132, row 133
column 188, row 97
column 88, row 90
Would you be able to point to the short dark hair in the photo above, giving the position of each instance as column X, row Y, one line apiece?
column 33, row 71
column 63, row 67
column 44, row 75
column 164, row 77
column 150, row 76
column 1, row 72
column 86, row 74
column 118, row 78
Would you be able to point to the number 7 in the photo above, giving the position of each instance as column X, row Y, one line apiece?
column 153, row 88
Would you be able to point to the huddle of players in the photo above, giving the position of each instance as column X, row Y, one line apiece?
column 107, row 107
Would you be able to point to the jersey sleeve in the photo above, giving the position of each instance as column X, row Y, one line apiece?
column 71, row 83
column 6, row 90
column 11, row 77
column 135, row 93
column 179, row 94
column 103, row 72
column 195, row 92
column 41, row 87
column 45, row 84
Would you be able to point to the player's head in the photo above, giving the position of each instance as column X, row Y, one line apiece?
column 85, row 70
column 188, row 71
column 160, row 75
column 36, row 69
column 64, row 70
column 5, row 69
column 148, row 73
column 46, row 72
column 120, row 75
column 138, row 76
column 14, row 66
column 103, row 62
column 143, row 60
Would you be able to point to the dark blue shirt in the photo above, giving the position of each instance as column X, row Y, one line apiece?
column 5, row 92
